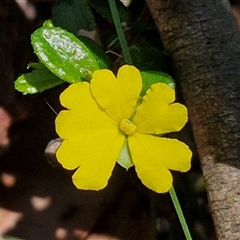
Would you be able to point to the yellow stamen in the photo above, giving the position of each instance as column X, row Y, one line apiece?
column 127, row 126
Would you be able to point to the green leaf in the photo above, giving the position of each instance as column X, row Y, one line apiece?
column 48, row 23
column 64, row 54
column 73, row 15
column 36, row 81
column 101, row 57
column 149, row 58
column 103, row 8
column 125, row 159
column 37, row 65
column 151, row 77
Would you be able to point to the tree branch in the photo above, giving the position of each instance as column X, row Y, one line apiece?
column 203, row 41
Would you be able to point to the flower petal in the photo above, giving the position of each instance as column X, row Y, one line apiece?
column 85, row 114
column 95, row 171
column 96, row 152
column 156, row 114
column 70, row 97
column 117, row 96
column 153, row 156
column 93, row 140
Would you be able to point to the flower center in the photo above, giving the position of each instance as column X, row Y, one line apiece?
column 127, row 126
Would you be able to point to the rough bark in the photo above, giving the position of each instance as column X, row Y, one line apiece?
column 203, row 41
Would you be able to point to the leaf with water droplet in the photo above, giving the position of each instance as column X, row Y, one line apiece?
column 64, row 54
column 36, row 81
column 101, row 57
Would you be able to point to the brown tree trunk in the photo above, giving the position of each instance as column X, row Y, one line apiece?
column 203, row 41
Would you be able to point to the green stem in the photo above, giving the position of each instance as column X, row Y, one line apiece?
column 120, row 33
column 178, row 209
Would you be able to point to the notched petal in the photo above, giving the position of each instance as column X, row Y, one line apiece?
column 153, row 157
column 157, row 114
column 117, row 96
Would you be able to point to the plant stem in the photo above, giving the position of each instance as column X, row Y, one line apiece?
column 120, row 33
column 181, row 217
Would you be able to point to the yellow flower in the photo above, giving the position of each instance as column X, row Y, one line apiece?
column 104, row 114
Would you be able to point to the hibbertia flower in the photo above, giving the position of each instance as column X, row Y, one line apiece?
column 107, row 114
